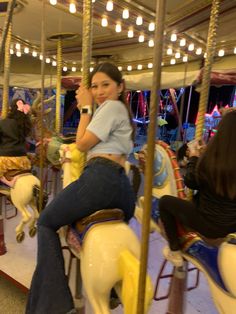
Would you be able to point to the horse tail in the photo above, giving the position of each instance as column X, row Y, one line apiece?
column 36, row 195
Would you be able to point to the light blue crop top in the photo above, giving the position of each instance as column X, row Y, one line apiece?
column 111, row 124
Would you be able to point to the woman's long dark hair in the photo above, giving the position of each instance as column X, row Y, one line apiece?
column 217, row 166
column 113, row 72
column 23, row 120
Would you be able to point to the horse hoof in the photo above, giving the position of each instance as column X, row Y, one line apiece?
column 32, row 232
column 20, row 237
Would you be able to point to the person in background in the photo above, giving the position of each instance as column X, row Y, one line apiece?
column 107, row 137
column 213, row 174
column 14, row 130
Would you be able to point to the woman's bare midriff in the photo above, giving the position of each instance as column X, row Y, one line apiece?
column 120, row 159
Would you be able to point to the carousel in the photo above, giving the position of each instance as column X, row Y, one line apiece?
column 166, row 51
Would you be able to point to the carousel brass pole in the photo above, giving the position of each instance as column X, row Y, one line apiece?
column 210, row 52
column 6, row 77
column 87, row 40
column 41, row 152
column 155, row 98
column 58, row 92
column 86, row 58
column 8, row 20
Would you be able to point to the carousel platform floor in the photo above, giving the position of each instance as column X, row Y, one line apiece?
column 17, row 266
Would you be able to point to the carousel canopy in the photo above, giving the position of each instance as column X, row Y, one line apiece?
column 126, row 40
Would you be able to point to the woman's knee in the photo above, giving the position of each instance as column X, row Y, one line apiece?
column 164, row 202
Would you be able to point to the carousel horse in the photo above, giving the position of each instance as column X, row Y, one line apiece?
column 104, row 242
column 24, row 193
column 215, row 260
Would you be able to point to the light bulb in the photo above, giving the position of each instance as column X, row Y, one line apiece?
column 72, row 7
column 118, row 27
column 169, row 51
column 173, row 37
column 139, row 20
column 125, row 14
column 129, row 67
column 191, row 47
column 151, row 43
column 104, row 22
column 151, row 26
column 182, row 42
column 130, row 33
column 221, row 53
column 109, row 5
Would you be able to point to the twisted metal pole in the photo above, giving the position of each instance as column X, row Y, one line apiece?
column 210, row 52
column 6, row 77
column 205, row 86
column 155, row 99
column 8, row 20
column 41, row 152
column 87, row 40
column 58, row 92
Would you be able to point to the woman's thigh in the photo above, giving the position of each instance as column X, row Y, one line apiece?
column 98, row 187
column 185, row 212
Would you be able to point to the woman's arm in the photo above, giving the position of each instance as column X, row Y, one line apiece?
column 84, row 138
column 190, row 179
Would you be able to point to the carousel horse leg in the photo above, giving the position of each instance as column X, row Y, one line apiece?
column 20, row 235
column 32, row 224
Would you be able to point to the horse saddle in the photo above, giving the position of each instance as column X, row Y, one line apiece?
column 12, row 173
column 77, row 232
column 102, row 215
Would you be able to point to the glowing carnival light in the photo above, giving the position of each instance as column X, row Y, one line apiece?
column 141, row 38
column 199, row 51
column 104, row 22
column 72, row 8
column 53, row 2
column 118, row 27
column 26, row 50
column 130, row 33
column 151, row 26
column 182, row 42
column 139, row 20
column 129, row 67
column 109, row 6
column 151, row 43
column 169, row 51
column 125, row 14
column 221, row 53
column 173, row 37
column 191, row 47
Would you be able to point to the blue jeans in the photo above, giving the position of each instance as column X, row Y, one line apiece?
column 102, row 185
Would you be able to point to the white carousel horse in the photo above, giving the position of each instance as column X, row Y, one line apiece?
column 109, row 252
column 217, row 263
column 24, row 194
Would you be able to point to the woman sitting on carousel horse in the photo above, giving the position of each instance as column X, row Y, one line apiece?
column 108, row 139
column 213, row 174
column 13, row 132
